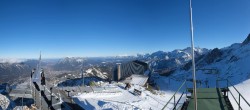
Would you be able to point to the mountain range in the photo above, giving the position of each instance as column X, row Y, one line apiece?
column 226, row 63
column 231, row 61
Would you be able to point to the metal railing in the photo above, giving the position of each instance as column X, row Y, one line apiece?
column 173, row 97
column 240, row 95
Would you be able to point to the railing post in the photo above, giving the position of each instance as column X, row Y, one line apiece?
column 173, row 95
column 22, row 102
column 186, row 88
column 239, row 101
column 217, row 83
column 51, row 97
column 227, row 88
column 186, row 91
column 227, row 83
column 174, row 102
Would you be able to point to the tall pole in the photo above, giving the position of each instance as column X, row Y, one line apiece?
column 82, row 78
column 193, row 59
column 22, row 102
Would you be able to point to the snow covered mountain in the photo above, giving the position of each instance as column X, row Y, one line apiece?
column 9, row 71
column 161, row 61
column 13, row 70
column 230, row 63
column 96, row 72
column 68, row 63
column 157, row 60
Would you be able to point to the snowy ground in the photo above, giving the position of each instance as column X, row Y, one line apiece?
column 125, row 99
column 244, row 89
column 121, row 99
column 4, row 102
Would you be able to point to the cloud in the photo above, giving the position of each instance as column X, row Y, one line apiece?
column 11, row 60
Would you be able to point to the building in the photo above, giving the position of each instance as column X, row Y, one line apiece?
column 124, row 70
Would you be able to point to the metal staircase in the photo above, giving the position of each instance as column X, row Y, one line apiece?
column 207, row 98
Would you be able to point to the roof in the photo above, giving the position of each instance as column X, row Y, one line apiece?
column 209, row 99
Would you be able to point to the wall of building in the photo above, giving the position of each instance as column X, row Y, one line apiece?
column 127, row 69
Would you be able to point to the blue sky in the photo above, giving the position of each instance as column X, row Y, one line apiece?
column 61, row 28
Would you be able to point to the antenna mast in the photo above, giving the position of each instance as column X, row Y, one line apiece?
column 193, row 59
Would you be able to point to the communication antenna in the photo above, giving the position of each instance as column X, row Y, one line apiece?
column 193, row 59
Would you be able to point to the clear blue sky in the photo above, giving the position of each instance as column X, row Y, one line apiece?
column 61, row 28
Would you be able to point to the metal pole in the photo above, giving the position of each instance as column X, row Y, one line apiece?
column 193, row 60
column 227, row 83
column 34, row 95
column 174, row 102
column 40, row 99
column 51, row 103
column 217, row 86
column 239, row 102
column 22, row 103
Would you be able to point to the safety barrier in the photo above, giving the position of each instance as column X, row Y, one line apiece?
column 239, row 94
column 173, row 97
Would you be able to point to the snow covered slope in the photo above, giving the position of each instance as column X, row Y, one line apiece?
column 96, row 72
column 231, row 62
column 124, row 100
column 244, row 88
column 10, row 71
column 4, row 102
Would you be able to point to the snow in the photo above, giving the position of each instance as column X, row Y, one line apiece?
column 236, row 70
column 232, row 65
column 90, row 72
column 23, row 85
column 79, row 60
column 125, row 99
column 4, row 102
column 102, row 94
column 166, row 57
column 139, row 80
column 100, row 74
column 243, row 88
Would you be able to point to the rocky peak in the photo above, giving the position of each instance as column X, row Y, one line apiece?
column 213, row 55
column 247, row 40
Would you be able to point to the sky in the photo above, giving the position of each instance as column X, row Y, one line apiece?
column 90, row 28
